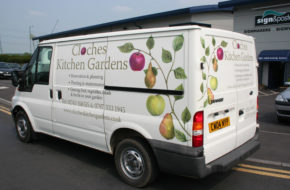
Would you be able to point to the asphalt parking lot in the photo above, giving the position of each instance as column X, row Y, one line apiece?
column 51, row 163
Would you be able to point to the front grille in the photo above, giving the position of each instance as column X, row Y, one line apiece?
column 284, row 112
column 283, row 103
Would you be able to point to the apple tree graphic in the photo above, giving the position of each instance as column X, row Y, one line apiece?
column 211, row 61
column 155, row 103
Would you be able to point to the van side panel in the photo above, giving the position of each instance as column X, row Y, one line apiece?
column 149, row 72
column 78, row 86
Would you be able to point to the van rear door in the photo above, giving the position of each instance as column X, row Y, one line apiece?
column 247, row 92
column 230, row 92
column 219, row 97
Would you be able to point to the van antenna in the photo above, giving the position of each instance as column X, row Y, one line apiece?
column 55, row 25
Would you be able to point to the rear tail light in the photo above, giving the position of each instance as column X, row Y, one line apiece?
column 197, row 129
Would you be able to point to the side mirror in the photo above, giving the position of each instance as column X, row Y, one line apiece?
column 15, row 77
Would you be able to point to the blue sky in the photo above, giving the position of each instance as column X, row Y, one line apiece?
column 45, row 17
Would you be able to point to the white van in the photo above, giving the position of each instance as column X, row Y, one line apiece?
column 179, row 99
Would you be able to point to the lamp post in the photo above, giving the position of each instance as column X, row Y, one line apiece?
column 30, row 37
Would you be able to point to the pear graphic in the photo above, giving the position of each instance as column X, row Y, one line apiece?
column 150, row 78
column 210, row 96
column 166, row 127
column 215, row 64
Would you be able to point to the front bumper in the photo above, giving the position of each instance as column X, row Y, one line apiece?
column 5, row 75
column 188, row 161
column 283, row 109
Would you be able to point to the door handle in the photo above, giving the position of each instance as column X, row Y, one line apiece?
column 59, row 94
column 51, row 93
column 241, row 112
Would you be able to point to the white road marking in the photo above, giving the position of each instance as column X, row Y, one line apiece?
column 265, row 94
column 275, row 133
column 268, row 162
column 6, row 101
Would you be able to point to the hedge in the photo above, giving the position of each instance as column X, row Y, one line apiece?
column 15, row 58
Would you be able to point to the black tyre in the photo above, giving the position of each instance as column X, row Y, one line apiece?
column 135, row 162
column 280, row 119
column 23, row 127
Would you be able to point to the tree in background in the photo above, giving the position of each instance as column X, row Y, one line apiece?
column 15, row 58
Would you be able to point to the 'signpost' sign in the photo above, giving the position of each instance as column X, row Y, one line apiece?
column 272, row 17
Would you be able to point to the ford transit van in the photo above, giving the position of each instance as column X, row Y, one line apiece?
column 179, row 99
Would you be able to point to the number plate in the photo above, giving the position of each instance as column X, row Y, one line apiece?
column 219, row 124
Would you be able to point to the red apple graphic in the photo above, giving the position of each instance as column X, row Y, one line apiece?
column 137, row 61
column 83, row 51
column 220, row 53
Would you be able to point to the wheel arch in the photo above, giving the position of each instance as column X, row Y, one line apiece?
column 126, row 132
column 21, row 107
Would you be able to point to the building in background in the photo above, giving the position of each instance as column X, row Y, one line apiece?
column 208, row 15
column 269, row 22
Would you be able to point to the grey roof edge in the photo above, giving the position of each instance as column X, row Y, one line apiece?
column 189, row 10
column 233, row 3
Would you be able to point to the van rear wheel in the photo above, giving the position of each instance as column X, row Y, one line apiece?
column 135, row 162
column 24, row 130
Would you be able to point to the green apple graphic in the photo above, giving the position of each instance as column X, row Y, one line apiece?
column 155, row 105
column 213, row 83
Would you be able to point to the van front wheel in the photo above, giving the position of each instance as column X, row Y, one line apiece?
column 135, row 162
column 23, row 127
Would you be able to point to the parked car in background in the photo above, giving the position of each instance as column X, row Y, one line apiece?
column 23, row 67
column 282, row 103
column 15, row 66
column 7, row 68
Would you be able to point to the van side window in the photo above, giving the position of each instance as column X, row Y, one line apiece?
column 29, row 75
column 37, row 71
column 43, row 65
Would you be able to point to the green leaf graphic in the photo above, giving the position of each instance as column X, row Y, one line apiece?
column 179, row 73
column 207, row 51
column 201, row 87
column 213, row 41
column 205, row 103
column 166, row 56
column 178, row 42
column 202, row 43
column 150, row 43
column 203, row 59
column 126, row 48
column 180, row 135
column 203, row 76
column 154, row 69
column 224, row 44
column 185, row 116
column 179, row 88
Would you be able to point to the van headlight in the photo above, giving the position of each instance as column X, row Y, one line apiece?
column 280, row 98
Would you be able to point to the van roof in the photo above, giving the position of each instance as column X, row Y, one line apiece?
column 120, row 33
